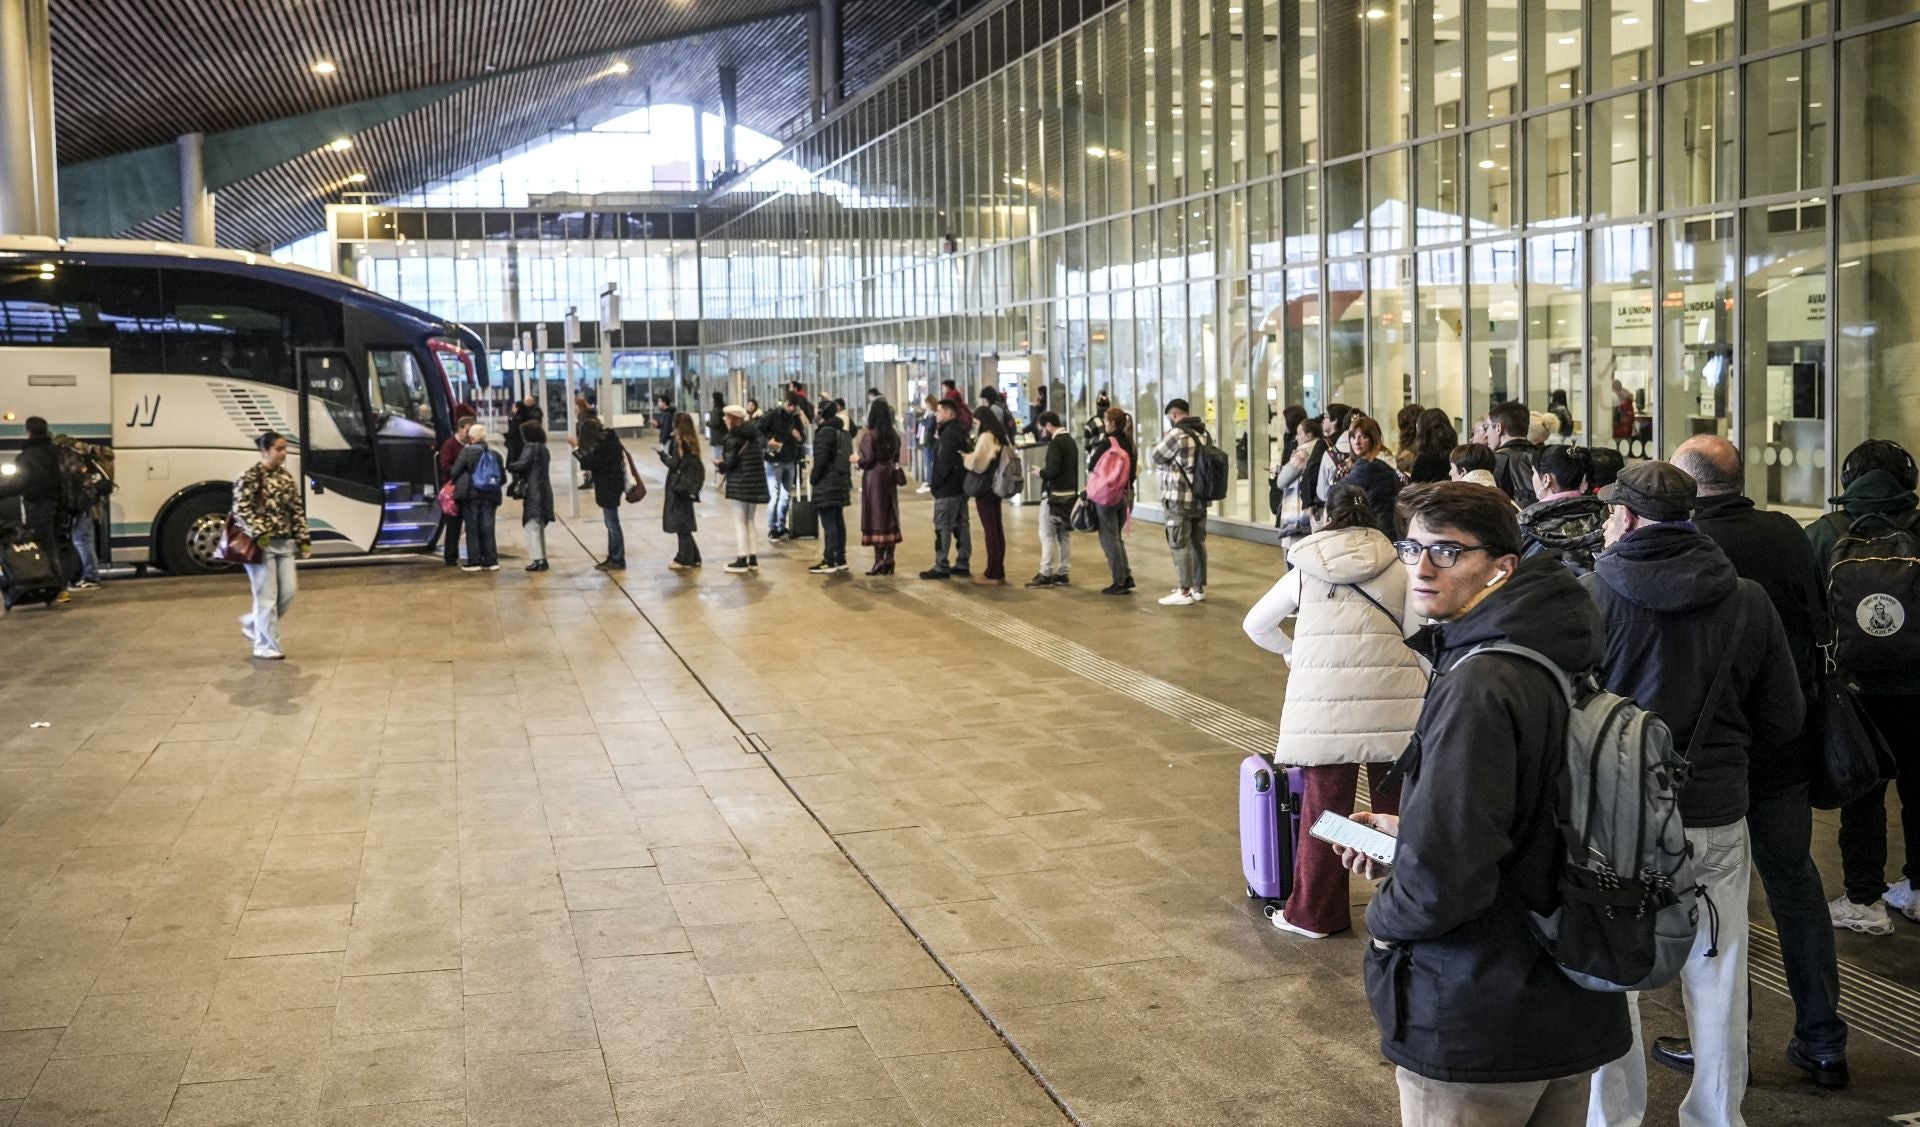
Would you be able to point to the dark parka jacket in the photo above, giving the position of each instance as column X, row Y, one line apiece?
column 606, row 460
column 949, row 471
column 1571, row 529
column 1663, row 595
column 1464, row 992
column 832, row 475
column 743, row 472
column 534, row 465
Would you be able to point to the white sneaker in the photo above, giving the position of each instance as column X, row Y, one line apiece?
column 1199, row 596
column 1279, row 920
column 924, row 488
column 1177, row 599
column 493, row 567
column 1900, row 898
column 246, row 627
column 1867, row 919
column 265, row 654
column 465, row 567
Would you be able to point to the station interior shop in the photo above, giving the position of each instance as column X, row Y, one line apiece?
column 1646, row 220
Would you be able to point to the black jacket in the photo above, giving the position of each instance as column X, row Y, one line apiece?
column 1377, row 478
column 36, row 475
column 1874, row 493
column 1663, row 594
column 1060, row 473
column 606, row 460
column 949, row 472
column 1513, row 470
column 1771, row 549
column 742, row 471
column 831, row 477
column 1430, row 465
column 535, row 465
column 787, row 428
column 1467, row 994
column 1571, row 529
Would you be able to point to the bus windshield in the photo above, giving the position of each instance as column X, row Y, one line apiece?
column 456, row 364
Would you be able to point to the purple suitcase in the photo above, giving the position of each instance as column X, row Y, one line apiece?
column 1269, row 827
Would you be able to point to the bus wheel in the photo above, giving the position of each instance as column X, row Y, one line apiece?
column 192, row 532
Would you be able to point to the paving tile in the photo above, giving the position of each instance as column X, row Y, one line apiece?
column 942, row 882
column 552, row 1089
column 976, row 1086
column 892, row 847
column 494, row 967
column 276, row 982
column 814, row 1067
column 23, row 1053
column 171, row 961
column 544, row 1020
column 120, row 1091
column 390, row 1068
column 291, row 931
column 593, row 889
column 277, row 1101
column 431, row 1113
column 759, row 945
column 266, row 1044
column 651, row 930
column 724, row 902
column 888, row 961
column 1015, row 977
column 1001, row 854
column 668, row 1044
column 399, row 1003
column 691, row 864
column 601, row 851
column 304, row 888
column 121, row 1024
column 893, row 1112
column 778, row 1001
column 933, row 1019
column 970, row 925
column 690, row 1101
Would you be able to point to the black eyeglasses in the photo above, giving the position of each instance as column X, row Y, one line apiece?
column 1444, row 554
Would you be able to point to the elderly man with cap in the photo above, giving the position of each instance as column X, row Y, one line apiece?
column 1674, row 606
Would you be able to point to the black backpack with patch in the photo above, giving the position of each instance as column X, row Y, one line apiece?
column 1873, row 595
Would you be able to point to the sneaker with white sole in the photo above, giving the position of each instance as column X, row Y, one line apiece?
column 87, row 585
column 246, row 628
column 265, row 653
column 1900, row 898
column 1867, row 919
column 1279, row 920
column 1177, row 599
column 1199, row 595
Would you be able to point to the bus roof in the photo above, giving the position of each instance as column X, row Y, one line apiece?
column 147, row 248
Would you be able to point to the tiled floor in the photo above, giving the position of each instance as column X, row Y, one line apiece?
column 705, row 849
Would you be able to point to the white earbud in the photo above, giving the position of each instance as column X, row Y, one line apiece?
column 1498, row 577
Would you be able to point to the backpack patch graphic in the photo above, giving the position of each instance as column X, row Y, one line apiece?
column 1880, row 615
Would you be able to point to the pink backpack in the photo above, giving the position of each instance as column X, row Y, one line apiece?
column 1111, row 476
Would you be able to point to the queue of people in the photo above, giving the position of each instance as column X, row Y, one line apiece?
column 1660, row 582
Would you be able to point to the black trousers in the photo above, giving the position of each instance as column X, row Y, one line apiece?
column 450, row 537
column 689, row 552
column 833, row 533
column 1780, row 830
column 1863, row 822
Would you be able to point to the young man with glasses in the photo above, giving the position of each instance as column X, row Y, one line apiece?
column 1484, row 1027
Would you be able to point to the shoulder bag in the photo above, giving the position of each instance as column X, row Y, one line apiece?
column 637, row 492
column 236, row 546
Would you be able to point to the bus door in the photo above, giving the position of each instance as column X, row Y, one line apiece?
column 338, row 468
column 405, row 442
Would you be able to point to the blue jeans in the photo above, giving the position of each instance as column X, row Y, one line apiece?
column 84, row 528
column 616, row 538
column 274, row 583
column 476, row 513
column 782, row 479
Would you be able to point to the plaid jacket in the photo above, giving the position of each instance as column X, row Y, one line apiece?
column 1174, row 455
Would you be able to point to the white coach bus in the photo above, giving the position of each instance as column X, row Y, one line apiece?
column 180, row 357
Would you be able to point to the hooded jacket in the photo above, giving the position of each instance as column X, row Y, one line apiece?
column 1380, row 481
column 1464, row 992
column 1571, row 529
column 831, row 477
column 1663, row 594
column 743, row 472
column 1355, row 689
column 949, row 478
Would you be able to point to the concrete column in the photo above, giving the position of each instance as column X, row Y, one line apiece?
column 196, row 203
column 816, row 83
column 46, row 167
column 699, row 146
column 19, row 211
column 832, row 53
column 729, row 116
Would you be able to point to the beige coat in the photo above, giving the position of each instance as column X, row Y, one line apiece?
column 1355, row 689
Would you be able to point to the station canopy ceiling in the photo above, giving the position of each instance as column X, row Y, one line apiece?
column 423, row 89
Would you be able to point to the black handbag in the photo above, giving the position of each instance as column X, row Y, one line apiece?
column 1083, row 517
column 1853, row 753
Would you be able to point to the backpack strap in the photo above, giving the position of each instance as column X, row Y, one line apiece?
column 1362, row 592
column 1560, row 677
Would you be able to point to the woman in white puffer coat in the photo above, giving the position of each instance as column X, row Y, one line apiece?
column 1353, row 694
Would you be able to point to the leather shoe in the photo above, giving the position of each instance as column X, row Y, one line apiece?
column 1829, row 1072
column 1674, row 1052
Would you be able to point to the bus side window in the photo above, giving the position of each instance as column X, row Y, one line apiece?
column 398, row 391
column 75, row 305
column 225, row 325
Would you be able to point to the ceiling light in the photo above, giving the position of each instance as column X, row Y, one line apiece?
column 325, row 66
column 357, row 178
column 1793, row 78
column 1486, row 164
column 620, row 68
column 340, row 144
column 1509, row 58
column 1096, row 151
column 1376, row 14
column 1629, row 21
column 1206, row 84
column 1566, row 41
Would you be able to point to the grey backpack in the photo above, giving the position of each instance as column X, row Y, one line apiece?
column 1629, row 899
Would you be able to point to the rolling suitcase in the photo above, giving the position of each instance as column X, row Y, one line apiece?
column 32, row 575
column 803, row 523
column 1269, row 828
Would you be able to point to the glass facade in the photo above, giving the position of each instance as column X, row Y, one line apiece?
column 1641, row 207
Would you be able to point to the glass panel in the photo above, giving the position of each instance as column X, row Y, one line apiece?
column 1555, row 333
column 1784, row 296
column 1389, row 70
column 1343, row 71
column 1263, row 84
column 1879, row 319
column 1555, row 71
column 1388, row 213
column 1300, row 217
column 1772, row 23
column 1493, row 325
column 1855, row 12
column 1699, row 140
column 1442, row 65
column 1306, row 381
column 1622, row 44
column 1696, row 327
column 1347, row 333
column 1391, row 330
column 1346, row 209
column 1879, row 104
column 1299, row 49
column 1491, row 186
column 398, row 391
column 1493, row 74
column 1554, row 169
column 1440, row 218
column 1245, row 421
column 1787, row 124
column 1623, row 174
column 1698, row 33
column 1621, row 329
column 1440, row 373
